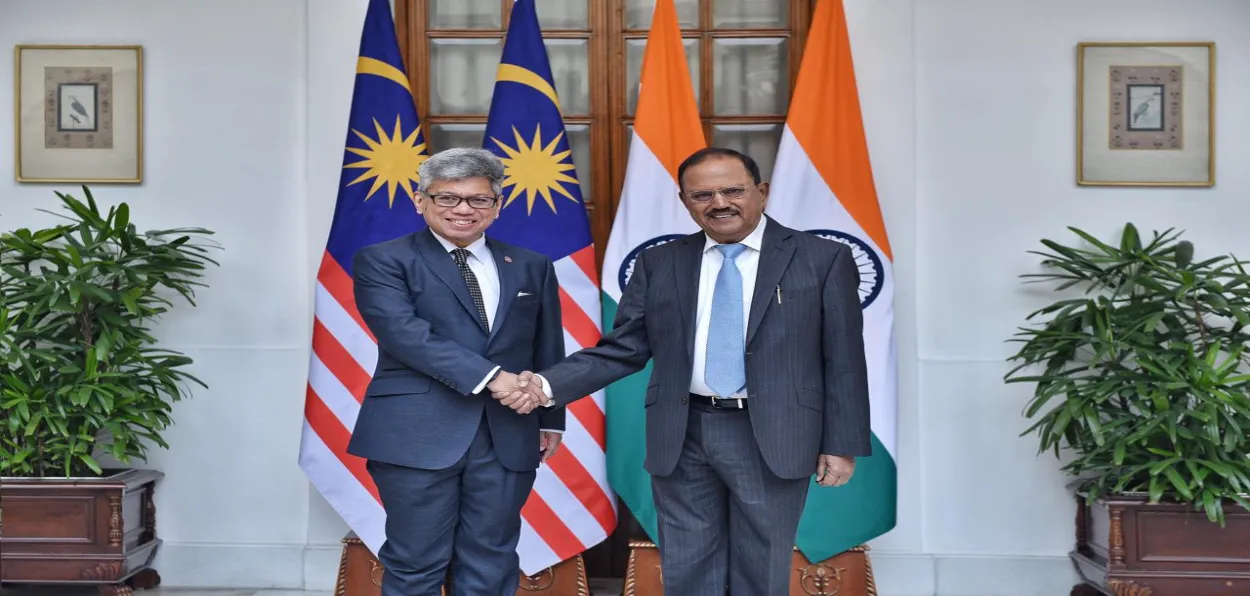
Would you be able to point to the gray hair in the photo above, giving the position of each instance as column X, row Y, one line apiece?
column 461, row 163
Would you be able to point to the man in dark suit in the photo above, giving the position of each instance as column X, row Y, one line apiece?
column 455, row 313
column 759, row 380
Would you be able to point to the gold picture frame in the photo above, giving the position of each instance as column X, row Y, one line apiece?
column 78, row 113
column 1145, row 114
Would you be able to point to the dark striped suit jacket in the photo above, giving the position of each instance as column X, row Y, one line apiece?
column 807, row 382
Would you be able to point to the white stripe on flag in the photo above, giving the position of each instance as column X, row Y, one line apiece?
column 580, row 288
column 532, row 547
column 571, row 511
column 586, row 449
column 346, row 330
column 649, row 207
column 344, row 493
column 803, row 200
column 333, row 394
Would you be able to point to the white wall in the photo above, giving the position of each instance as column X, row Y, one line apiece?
column 969, row 106
column 225, row 144
column 995, row 155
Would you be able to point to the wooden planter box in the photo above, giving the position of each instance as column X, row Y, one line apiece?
column 98, row 531
column 1127, row 547
column 845, row 574
column 360, row 574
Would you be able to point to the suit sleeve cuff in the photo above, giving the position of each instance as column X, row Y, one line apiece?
column 546, row 391
column 485, row 380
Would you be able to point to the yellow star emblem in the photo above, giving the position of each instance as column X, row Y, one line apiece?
column 391, row 160
column 534, row 169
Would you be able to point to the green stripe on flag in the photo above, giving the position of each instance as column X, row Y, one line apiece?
column 834, row 519
column 627, row 438
column 838, row 518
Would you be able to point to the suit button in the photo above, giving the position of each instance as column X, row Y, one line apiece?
column 685, row 399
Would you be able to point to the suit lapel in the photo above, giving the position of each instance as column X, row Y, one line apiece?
column 686, row 272
column 775, row 253
column 509, row 282
column 444, row 266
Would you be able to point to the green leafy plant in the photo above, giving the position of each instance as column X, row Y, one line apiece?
column 1143, row 377
column 79, row 371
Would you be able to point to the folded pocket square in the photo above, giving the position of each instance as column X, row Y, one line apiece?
column 523, row 294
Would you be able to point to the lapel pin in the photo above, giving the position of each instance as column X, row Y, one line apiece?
column 507, row 259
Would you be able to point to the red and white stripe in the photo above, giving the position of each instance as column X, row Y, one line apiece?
column 571, row 507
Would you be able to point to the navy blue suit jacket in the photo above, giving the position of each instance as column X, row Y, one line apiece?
column 419, row 410
column 807, row 380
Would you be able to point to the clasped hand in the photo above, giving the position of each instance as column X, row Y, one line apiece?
column 522, row 392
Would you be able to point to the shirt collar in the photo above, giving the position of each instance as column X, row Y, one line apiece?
column 753, row 241
column 477, row 248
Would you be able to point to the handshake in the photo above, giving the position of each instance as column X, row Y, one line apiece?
column 522, row 392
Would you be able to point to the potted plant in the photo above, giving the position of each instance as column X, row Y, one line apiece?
column 82, row 382
column 1142, row 377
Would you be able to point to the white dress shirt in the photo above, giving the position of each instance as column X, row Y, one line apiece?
column 482, row 264
column 748, row 264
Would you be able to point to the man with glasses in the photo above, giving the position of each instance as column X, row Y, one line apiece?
column 455, row 314
column 759, row 380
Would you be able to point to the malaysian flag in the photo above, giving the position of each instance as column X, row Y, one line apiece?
column 571, row 507
column 383, row 149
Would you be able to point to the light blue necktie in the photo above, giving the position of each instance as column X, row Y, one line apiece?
column 725, row 368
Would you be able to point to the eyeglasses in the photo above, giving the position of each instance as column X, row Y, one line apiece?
column 452, row 201
column 729, row 192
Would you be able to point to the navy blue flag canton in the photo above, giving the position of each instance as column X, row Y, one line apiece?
column 543, row 206
column 384, row 147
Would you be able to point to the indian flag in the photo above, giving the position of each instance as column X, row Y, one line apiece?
column 666, row 131
column 822, row 183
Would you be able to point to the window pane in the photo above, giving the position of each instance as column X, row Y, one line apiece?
column 579, row 143
column 633, row 68
column 447, row 136
column 464, row 75
column 563, row 14
column 638, row 13
column 750, row 13
column 465, row 14
column 751, row 76
column 570, row 67
column 756, row 140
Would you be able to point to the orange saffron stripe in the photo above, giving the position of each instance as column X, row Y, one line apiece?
column 667, row 114
column 826, row 120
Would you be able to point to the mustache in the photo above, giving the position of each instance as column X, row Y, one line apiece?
column 725, row 211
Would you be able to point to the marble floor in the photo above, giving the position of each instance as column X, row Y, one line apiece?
column 597, row 588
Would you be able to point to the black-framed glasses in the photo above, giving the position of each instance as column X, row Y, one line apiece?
column 452, row 201
column 729, row 192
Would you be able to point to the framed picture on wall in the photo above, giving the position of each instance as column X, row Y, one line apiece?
column 1145, row 114
column 79, row 113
